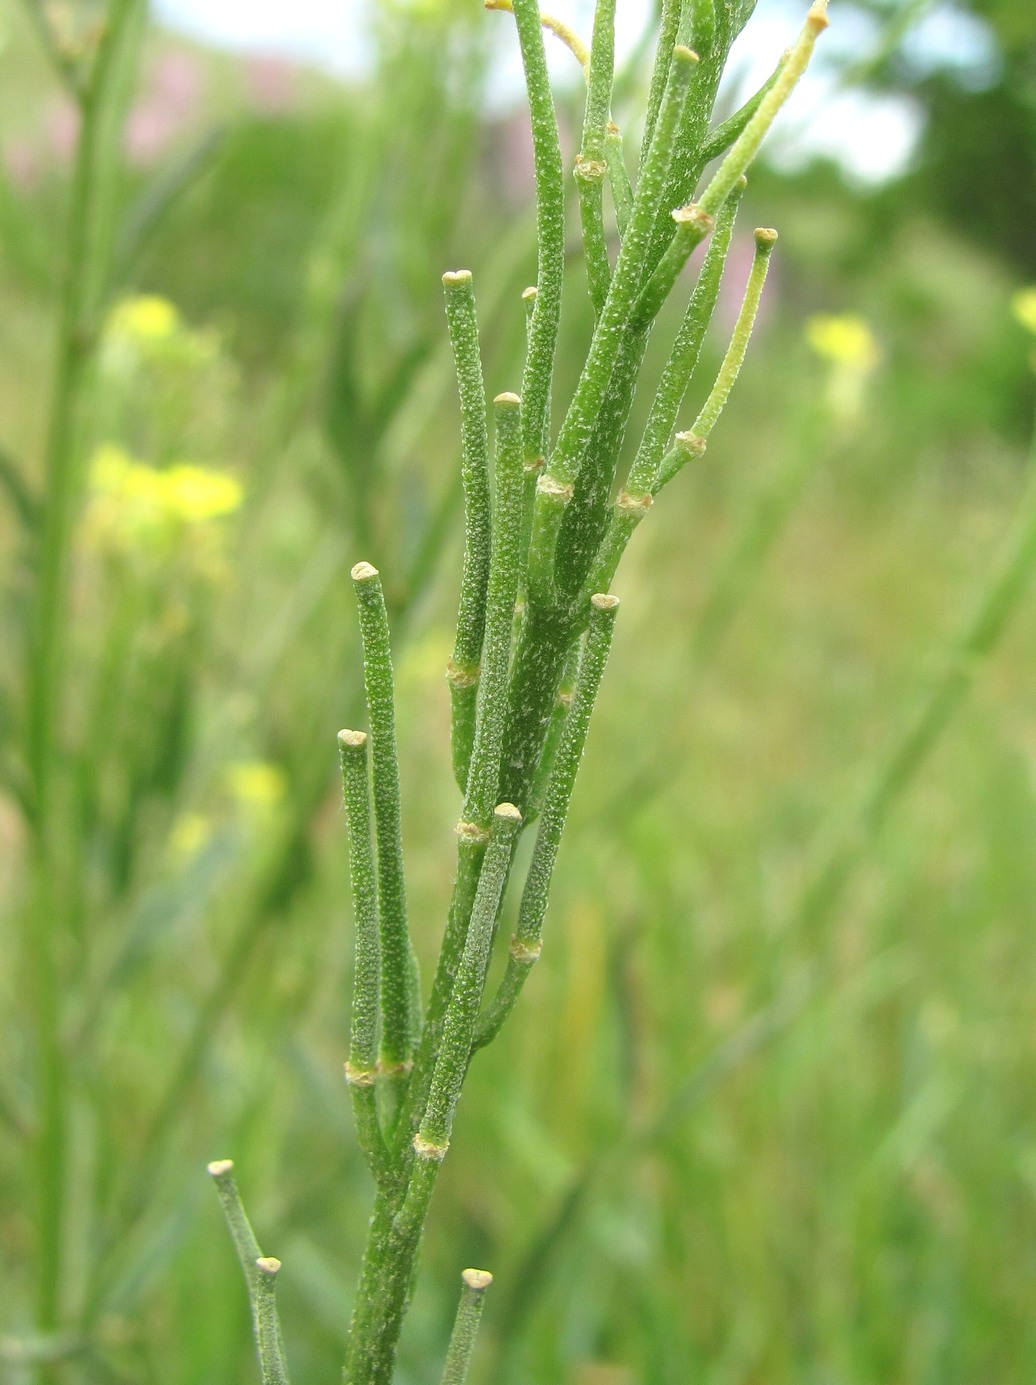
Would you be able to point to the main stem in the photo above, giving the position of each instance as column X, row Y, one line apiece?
column 45, row 663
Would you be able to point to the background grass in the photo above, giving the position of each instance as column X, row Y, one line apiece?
column 718, row 1141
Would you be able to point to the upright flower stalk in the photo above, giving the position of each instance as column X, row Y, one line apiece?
column 545, row 528
column 96, row 75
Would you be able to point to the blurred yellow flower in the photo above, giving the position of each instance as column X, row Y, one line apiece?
column 1023, row 308
column 145, row 318
column 256, row 784
column 843, row 339
column 194, row 493
column 136, row 504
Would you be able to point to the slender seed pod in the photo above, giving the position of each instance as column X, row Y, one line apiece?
column 474, row 1284
column 693, row 442
column 723, row 136
column 559, row 716
column 634, row 499
column 555, row 487
column 550, row 233
column 692, row 226
column 575, row 431
column 222, row 1173
column 669, row 26
column 399, row 1017
column 258, row 1271
column 746, row 146
column 527, row 940
column 591, row 167
column 618, row 176
column 455, row 1048
column 463, row 670
column 361, row 1071
column 475, row 826
column 502, row 593
column 272, row 1364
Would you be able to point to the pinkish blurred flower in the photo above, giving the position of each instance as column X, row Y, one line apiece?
column 61, row 122
column 175, row 81
column 21, row 164
column 170, row 98
column 149, row 129
column 270, row 83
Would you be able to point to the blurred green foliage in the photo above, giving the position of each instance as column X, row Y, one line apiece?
column 713, row 1144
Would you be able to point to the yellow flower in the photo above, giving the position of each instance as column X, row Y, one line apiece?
column 136, row 505
column 1023, row 308
column 256, row 784
column 194, row 493
column 145, row 318
column 843, row 339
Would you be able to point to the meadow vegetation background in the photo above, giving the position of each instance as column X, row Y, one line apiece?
column 758, row 1118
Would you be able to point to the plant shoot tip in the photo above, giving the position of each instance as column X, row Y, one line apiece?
column 219, row 1167
column 479, row 1280
column 352, row 740
column 508, row 400
column 268, row 1265
column 685, row 54
column 530, row 292
column 765, row 237
column 508, row 812
column 604, row 601
column 453, row 277
column 363, row 572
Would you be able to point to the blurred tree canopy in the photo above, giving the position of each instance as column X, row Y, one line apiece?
column 975, row 167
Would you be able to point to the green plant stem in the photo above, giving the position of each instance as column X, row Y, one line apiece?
column 85, row 277
column 618, row 176
column 272, row 1364
column 635, row 498
column 474, row 1284
column 556, row 486
column 550, row 234
column 746, row 146
column 591, row 167
column 693, row 442
column 454, row 1052
column 248, row 1252
column 558, row 717
column 463, row 671
column 723, row 136
column 670, row 23
column 473, row 830
column 527, row 940
column 260, row 1274
column 398, row 992
column 361, row 1070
